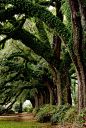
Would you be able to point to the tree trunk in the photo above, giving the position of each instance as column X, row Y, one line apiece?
column 54, row 89
column 36, row 100
column 57, row 85
column 20, row 107
column 78, row 53
column 50, row 91
column 83, row 21
column 56, row 45
column 65, row 91
column 47, row 96
column 81, row 89
column 40, row 98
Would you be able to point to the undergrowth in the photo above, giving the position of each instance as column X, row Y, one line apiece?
column 65, row 115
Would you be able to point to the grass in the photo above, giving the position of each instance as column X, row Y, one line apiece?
column 22, row 122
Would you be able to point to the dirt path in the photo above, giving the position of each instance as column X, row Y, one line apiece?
column 24, row 117
column 18, row 117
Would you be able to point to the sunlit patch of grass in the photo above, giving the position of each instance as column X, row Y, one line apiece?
column 25, row 124
column 5, row 123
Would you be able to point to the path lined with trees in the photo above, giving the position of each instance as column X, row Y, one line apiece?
column 42, row 52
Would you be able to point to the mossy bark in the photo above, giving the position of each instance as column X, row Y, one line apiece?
column 78, row 54
column 50, row 91
column 65, row 91
column 40, row 98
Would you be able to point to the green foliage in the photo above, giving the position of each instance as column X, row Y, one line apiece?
column 26, row 109
column 82, row 117
column 30, row 110
column 16, row 107
column 45, row 113
column 35, row 110
column 43, row 14
column 59, row 114
column 41, row 47
column 65, row 62
column 66, row 12
column 84, row 2
column 77, row 121
column 70, row 116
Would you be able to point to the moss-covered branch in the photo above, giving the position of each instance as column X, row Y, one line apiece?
column 34, row 43
column 43, row 14
column 9, row 80
column 25, row 56
column 12, row 32
column 41, row 31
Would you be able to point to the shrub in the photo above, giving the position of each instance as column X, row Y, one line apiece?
column 35, row 111
column 70, row 115
column 59, row 114
column 45, row 113
column 16, row 107
column 26, row 109
column 81, row 120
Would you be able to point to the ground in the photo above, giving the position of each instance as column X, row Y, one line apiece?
column 23, row 121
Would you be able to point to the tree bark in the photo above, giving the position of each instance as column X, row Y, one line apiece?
column 36, row 99
column 83, row 21
column 65, row 91
column 47, row 96
column 40, row 98
column 58, row 88
column 50, row 91
column 20, row 107
column 77, row 57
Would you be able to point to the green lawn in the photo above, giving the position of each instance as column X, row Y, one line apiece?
column 24, row 124
column 17, row 122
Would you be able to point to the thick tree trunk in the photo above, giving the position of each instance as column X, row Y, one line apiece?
column 78, row 56
column 57, row 85
column 65, row 91
column 81, row 89
column 83, row 21
column 57, row 49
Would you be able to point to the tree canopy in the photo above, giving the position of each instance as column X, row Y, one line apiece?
column 67, row 45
